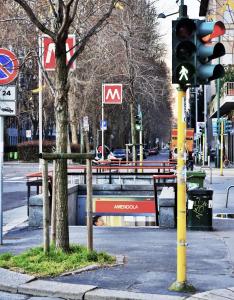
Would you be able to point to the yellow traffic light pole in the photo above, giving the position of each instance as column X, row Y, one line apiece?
column 221, row 146
column 181, row 281
column 181, row 192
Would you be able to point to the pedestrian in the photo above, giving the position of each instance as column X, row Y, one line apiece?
column 98, row 221
column 190, row 160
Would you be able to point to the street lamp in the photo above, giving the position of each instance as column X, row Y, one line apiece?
column 163, row 16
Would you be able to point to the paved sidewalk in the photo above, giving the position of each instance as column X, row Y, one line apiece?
column 13, row 218
column 150, row 265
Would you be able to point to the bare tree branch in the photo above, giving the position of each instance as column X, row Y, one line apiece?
column 91, row 32
column 34, row 19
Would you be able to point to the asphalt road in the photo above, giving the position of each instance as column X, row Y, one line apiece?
column 14, row 184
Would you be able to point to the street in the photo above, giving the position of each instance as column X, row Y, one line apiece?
column 14, row 183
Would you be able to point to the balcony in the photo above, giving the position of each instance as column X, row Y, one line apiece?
column 226, row 101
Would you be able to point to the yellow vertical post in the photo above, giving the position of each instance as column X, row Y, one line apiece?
column 181, row 280
column 181, row 193
column 221, row 146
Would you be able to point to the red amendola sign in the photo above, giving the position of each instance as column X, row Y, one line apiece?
column 132, row 207
column 112, row 93
column 48, row 50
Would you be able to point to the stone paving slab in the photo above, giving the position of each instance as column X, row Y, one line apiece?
column 44, row 298
column 10, row 281
column 8, row 296
column 214, row 295
column 223, row 293
column 104, row 294
column 55, row 289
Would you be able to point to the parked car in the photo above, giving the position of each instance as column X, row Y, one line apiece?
column 117, row 154
column 153, row 151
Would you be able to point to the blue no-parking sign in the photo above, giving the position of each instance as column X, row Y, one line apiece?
column 9, row 66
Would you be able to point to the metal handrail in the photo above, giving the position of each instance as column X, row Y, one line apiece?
column 231, row 186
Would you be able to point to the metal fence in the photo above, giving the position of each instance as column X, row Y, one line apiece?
column 229, row 88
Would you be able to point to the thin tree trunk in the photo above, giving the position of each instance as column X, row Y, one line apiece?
column 61, row 114
column 46, row 235
column 74, row 126
column 86, row 138
column 89, row 205
column 133, row 131
column 53, row 208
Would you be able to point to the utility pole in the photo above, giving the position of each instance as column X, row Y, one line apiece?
column 40, row 79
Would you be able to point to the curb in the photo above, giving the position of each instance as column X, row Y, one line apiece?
column 28, row 285
column 24, row 284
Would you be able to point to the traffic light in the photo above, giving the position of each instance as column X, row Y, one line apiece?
column 227, row 126
column 183, row 51
column 206, row 51
column 138, row 122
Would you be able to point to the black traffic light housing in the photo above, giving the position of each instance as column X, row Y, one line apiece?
column 138, row 122
column 192, row 51
column 183, row 51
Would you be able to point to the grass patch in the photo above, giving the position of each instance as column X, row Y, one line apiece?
column 36, row 263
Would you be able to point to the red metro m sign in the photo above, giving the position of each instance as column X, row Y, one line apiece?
column 48, row 50
column 112, row 93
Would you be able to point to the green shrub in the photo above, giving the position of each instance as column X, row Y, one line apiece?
column 29, row 151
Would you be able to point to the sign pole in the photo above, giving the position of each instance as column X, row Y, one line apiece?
column 221, row 145
column 102, row 130
column 40, row 100
column 1, row 175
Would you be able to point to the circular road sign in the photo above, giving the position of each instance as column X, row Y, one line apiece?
column 9, row 66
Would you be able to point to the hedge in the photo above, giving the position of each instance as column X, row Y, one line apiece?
column 28, row 151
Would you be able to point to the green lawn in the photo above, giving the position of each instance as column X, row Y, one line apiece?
column 36, row 263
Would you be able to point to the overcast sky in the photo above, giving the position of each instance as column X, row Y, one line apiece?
column 168, row 7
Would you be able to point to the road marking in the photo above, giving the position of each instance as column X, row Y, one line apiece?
column 14, row 179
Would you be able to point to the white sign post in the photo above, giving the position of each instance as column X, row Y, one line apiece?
column 7, row 108
column 111, row 94
column 9, row 66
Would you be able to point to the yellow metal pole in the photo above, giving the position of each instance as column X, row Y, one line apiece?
column 181, row 193
column 181, row 280
column 221, row 145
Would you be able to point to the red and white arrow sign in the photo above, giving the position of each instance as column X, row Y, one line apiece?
column 48, row 50
column 112, row 93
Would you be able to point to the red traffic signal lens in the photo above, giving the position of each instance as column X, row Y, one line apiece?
column 185, row 28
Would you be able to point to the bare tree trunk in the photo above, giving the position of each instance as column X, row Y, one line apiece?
column 74, row 126
column 133, row 131
column 86, row 138
column 61, row 115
